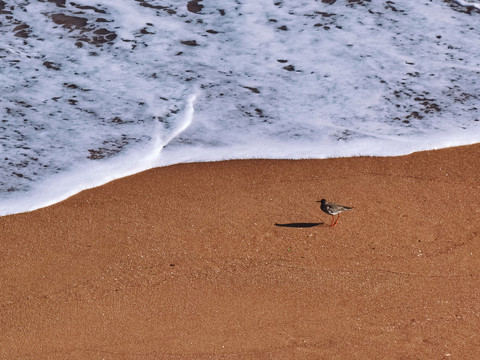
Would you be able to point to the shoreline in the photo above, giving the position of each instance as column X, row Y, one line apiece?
column 188, row 261
column 67, row 193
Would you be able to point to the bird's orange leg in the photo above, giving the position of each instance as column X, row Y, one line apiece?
column 333, row 218
column 338, row 217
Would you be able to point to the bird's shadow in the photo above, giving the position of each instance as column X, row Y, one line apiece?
column 299, row 224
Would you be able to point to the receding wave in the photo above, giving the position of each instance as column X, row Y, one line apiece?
column 92, row 91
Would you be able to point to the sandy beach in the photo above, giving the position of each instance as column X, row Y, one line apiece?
column 235, row 260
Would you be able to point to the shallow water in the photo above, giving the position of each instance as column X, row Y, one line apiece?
column 95, row 92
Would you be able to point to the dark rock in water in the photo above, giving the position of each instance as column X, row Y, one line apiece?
column 59, row 3
column 81, row 7
column 69, row 21
column 22, row 34
column 51, row 65
column 111, row 36
column 95, row 154
column 144, row 31
column 325, row 14
column 352, row 3
column 190, row 42
column 252, row 89
column 21, row 27
column 109, row 148
column 22, row 31
column 102, row 31
column 259, row 112
column 146, row 4
column 194, row 6
column 102, row 36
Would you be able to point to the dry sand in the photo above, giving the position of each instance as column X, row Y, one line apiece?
column 190, row 262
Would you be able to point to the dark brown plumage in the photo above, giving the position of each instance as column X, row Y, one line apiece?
column 333, row 209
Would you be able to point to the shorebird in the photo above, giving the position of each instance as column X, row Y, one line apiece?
column 333, row 209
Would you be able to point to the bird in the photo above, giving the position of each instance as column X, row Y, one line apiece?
column 333, row 209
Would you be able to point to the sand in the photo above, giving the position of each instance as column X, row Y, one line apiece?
column 235, row 260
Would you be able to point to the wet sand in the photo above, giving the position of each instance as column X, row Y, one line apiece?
column 235, row 260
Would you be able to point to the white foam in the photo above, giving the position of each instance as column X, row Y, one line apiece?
column 85, row 175
column 286, row 79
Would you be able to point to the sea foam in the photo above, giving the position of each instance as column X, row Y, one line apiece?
column 93, row 92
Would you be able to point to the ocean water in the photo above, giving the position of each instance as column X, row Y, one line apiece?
column 96, row 90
